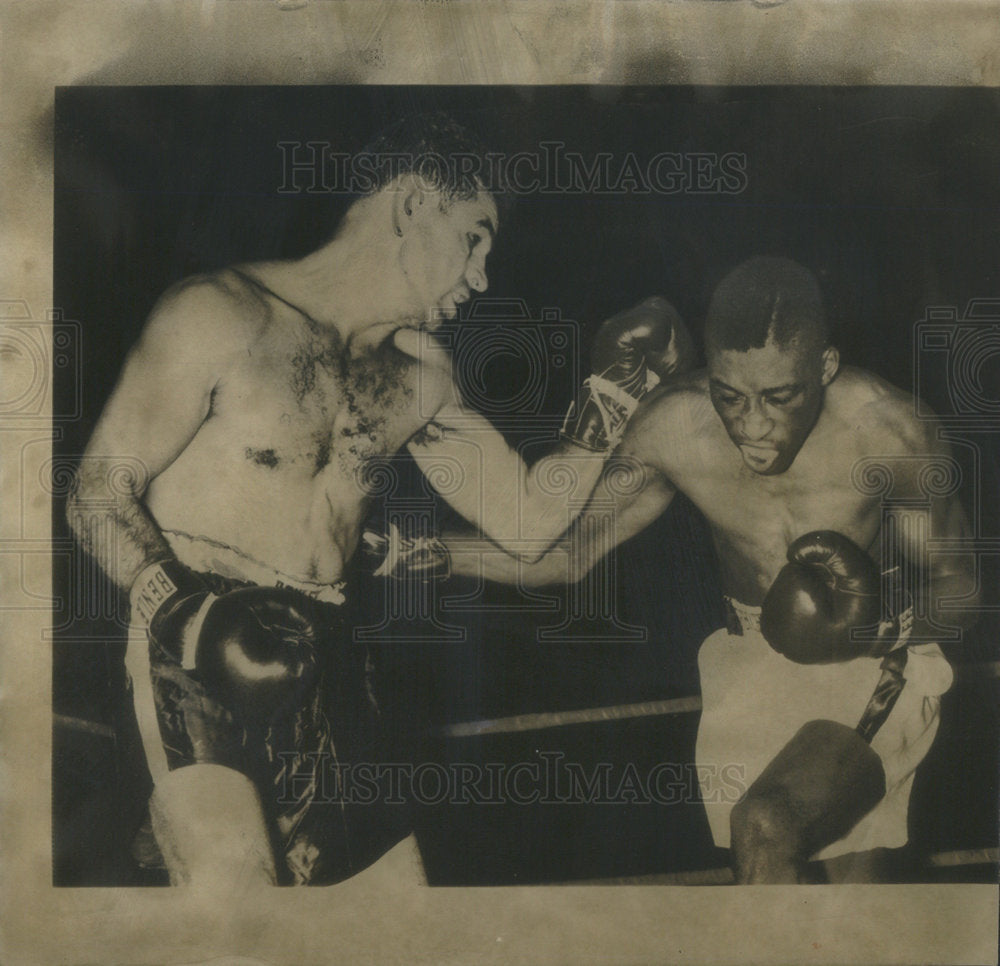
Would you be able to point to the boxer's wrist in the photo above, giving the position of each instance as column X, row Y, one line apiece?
column 896, row 625
column 895, row 632
column 597, row 418
column 392, row 555
column 158, row 584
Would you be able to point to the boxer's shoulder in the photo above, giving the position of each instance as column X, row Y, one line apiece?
column 878, row 413
column 681, row 405
column 214, row 312
column 422, row 365
column 669, row 418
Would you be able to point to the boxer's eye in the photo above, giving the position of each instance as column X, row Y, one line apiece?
column 783, row 398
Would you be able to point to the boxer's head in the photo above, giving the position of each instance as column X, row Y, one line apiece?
column 444, row 209
column 769, row 359
column 443, row 249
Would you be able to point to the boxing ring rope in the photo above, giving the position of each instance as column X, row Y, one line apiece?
column 724, row 876
column 558, row 719
column 539, row 721
column 643, row 709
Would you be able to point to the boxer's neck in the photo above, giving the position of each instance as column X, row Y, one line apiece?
column 352, row 284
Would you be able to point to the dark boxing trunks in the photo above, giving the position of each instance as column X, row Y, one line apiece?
column 321, row 768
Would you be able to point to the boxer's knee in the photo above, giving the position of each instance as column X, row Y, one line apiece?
column 763, row 841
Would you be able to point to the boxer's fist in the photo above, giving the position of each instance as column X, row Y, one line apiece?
column 253, row 648
column 829, row 587
column 649, row 333
column 257, row 650
column 631, row 353
column 404, row 558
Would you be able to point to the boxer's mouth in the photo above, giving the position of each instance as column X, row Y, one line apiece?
column 758, row 454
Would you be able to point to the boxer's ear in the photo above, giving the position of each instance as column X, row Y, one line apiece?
column 831, row 364
column 407, row 198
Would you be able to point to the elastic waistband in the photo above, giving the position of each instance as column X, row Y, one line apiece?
column 740, row 617
column 208, row 556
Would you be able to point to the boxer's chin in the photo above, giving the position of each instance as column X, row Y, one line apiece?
column 441, row 313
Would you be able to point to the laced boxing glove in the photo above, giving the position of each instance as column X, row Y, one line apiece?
column 829, row 588
column 392, row 555
column 254, row 647
column 631, row 353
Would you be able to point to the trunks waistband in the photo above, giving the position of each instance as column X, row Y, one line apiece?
column 209, row 557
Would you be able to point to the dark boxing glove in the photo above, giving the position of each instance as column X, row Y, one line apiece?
column 254, row 647
column 829, row 588
column 631, row 353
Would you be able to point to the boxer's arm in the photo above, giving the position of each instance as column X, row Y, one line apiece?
column 945, row 578
column 629, row 497
column 489, row 483
column 162, row 396
column 491, row 486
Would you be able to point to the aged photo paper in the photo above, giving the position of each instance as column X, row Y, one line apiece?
column 565, row 723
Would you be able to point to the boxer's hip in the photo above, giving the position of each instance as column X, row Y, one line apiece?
column 297, row 758
column 222, row 561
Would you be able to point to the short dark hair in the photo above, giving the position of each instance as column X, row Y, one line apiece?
column 766, row 298
column 440, row 151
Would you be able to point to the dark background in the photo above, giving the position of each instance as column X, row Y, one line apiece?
column 890, row 195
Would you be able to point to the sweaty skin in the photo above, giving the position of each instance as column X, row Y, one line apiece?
column 678, row 441
column 765, row 443
column 251, row 415
column 258, row 400
column 292, row 421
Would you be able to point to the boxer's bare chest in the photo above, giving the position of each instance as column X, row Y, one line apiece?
column 299, row 404
column 753, row 518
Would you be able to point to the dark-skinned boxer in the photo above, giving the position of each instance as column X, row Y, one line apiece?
column 824, row 703
column 253, row 410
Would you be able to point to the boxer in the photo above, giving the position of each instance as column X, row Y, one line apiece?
column 257, row 401
column 814, row 689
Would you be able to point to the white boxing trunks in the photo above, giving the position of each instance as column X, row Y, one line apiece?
column 754, row 700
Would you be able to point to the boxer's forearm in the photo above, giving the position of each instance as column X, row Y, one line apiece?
column 522, row 509
column 474, row 557
column 552, row 495
column 511, row 502
column 114, row 528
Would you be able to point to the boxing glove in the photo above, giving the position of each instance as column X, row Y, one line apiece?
column 829, row 588
column 392, row 555
column 631, row 353
column 254, row 648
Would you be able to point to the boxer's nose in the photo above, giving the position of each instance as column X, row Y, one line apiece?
column 756, row 424
column 475, row 274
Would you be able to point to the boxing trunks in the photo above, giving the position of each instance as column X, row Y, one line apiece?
column 305, row 762
column 755, row 699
